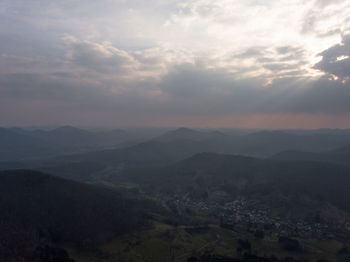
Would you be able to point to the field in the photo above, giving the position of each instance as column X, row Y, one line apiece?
column 166, row 243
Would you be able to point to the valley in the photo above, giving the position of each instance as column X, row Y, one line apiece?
column 186, row 195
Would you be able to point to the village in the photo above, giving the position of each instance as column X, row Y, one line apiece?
column 242, row 215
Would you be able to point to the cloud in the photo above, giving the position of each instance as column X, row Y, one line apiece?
column 104, row 78
column 100, row 57
column 171, row 59
column 327, row 18
column 186, row 90
column 200, row 91
column 325, row 3
column 336, row 60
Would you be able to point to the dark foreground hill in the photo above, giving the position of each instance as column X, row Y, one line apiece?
column 36, row 207
column 278, row 183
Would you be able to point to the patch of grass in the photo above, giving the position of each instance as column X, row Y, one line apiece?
column 166, row 243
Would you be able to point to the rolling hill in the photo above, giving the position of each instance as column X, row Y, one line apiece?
column 17, row 144
column 190, row 134
column 340, row 155
column 43, row 208
column 180, row 144
column 174, row 146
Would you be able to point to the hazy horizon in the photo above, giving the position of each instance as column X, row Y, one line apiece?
column 51, row 127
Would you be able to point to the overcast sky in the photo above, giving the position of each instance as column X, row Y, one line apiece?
column 197, row 63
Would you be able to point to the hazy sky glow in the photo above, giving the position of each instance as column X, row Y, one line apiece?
column 223, row 63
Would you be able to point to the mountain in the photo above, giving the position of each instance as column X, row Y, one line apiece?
column 261, row 143
column 267, row 143
column 178, row 145
column 342, row 150
column 72, row 136
column 63, row 211
column 82, row 155
column 341, row 156
column 10, row 137
column 115, row 136
column 101, row 164
column 17, row 144
column 190, row 134
column 65, row 136
column 84, row 166
column 293, row 155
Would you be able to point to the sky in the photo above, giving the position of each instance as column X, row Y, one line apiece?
column 195, row 63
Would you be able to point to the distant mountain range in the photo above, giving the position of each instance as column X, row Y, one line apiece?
column 21, row 144
column 173, row 146
column 260, row 143
column 190, row 134
column 182, row 143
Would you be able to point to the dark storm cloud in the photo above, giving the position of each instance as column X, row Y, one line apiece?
column 200, row 90
column 325, row 96
column 336, row 59
column 310, row 96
